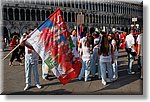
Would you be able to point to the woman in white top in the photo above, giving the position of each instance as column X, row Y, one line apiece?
column 115, row 65
column 106, row 60
column 82, row 42
column 95, row 59
column 75, row 42
column 86, row 59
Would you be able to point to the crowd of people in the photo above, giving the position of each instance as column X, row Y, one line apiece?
column 98, row 51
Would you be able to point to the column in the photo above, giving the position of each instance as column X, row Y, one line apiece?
column 106, row 19
column 25, row 14
column 45, row 15
column 85, row 4
column 71, row 16
column 95, row 19
column 95, row 5
column 78, row 4
column 117, row 19
column 74, row 3
column 19, row 14
column 13, row 13
column 40, row 15
column 111, row 19
column 90, row 18
column 98, row 18
column 103, row 6
column 126, row 10
column 67, row 17
column 89, row 4
column 106, row 7
column 30, row 15
column 35, row 14
column 6, row 13
column 130, row 10
column 101, row 18
column 119, row 9
column 81, row 4
column 75, row 14
column 113, row 9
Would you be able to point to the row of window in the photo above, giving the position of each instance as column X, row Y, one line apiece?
column 104, row 7
column 37, row 15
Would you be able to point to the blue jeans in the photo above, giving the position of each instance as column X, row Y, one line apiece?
column 130, row 62
column 45, row 70
column 85, row 70
column 108, row 66
column 31, row 65
column 115, row 68
column 94, row 61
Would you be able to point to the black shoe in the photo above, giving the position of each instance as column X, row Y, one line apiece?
column 141, row 77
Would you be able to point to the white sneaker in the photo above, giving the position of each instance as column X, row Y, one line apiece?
column 131, row 73
column 103, row 82
column 141, row 77
column 115, row 77
column 109, row 81
column 38, row 86
column 99, row 78
column 27, row 87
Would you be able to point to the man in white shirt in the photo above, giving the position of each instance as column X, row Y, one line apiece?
column 130, row 46
column 31, row 64
column 140, row 53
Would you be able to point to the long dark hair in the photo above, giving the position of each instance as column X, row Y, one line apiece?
column 72, row 31
column 104, row 48
column 89, row 41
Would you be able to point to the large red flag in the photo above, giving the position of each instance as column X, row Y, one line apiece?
column 52, row 42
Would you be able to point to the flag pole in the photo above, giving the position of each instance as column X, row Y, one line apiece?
column 18, row 45
column 11, row 51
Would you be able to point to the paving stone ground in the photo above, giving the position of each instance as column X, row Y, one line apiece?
column 14, row 82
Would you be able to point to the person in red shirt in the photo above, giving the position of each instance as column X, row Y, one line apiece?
column 15, row 54
column 122, row 40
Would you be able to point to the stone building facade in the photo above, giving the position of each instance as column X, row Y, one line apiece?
column 20, row 15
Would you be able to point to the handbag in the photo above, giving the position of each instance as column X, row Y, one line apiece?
column 128, row 50
column 133, row 53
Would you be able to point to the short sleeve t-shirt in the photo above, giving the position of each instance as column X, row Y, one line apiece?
column 96, row 41
column 86, row 54
column 113, row 42
column 129, row 41
column 30, row 54
column 139, row 41
column 74, row 40
column 82, row 41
